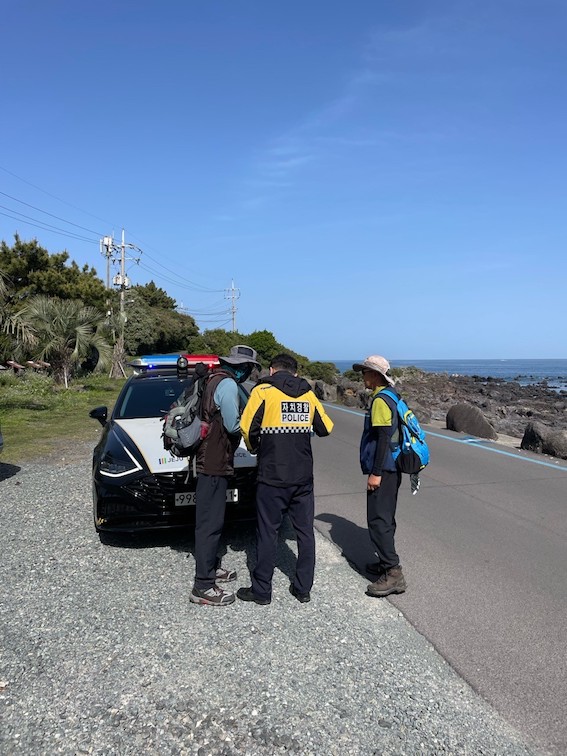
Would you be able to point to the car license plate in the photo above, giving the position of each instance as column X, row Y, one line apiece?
column 188, row 498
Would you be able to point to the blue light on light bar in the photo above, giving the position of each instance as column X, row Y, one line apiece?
column 152, row 361
column 156, row 361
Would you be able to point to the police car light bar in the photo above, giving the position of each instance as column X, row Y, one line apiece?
column 210, row 360
column 156, row 361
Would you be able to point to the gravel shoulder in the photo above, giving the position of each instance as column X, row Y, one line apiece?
column 102, row 653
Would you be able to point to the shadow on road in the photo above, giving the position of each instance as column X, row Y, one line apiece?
column 236, row 537
column 8, row 471
column 351, row 539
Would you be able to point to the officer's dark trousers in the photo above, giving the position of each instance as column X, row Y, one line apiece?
column 209, row 521
column 272, row 503
column 381, row 511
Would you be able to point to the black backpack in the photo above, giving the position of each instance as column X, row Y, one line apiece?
column 183, row 427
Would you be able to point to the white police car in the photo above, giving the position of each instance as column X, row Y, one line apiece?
column 137, row 485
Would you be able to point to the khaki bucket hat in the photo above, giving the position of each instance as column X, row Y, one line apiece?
column 378, row 364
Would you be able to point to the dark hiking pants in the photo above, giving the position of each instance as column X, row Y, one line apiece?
column 209, row 521
column 271, row 504
column 381, row 512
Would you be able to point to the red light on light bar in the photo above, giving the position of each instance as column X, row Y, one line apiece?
column 211, row 360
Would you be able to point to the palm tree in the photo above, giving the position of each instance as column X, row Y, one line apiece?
column 14, row 334
column 64, row 332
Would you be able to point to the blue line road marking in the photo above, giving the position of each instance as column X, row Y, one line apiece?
column 480, row 443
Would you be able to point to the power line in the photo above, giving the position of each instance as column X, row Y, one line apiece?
column 215, row 322
column 50, row 214
column 218, row 303
column 177, row 281
column 200, row 315
column 51, row 195
column 191, row 285
column 196, row 286
column 47, row 227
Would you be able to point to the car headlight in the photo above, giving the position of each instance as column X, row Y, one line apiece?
column 118, row 462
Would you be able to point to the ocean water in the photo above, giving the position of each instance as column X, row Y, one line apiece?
column 525, row 372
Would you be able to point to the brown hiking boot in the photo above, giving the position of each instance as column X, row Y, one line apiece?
column 391, row 581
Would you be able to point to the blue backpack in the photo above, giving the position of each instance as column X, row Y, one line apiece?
column 410, row 451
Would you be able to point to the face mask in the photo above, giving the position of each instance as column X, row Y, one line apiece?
column 240, row 372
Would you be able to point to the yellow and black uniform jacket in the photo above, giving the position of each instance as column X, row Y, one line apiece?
column 277, row 423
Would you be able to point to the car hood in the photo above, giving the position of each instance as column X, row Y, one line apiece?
column 146, row 435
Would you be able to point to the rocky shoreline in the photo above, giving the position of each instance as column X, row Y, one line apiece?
column 536, row 415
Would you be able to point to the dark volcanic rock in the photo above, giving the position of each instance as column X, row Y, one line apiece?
column 543, row 440
column 325, row 392
column 464, row 418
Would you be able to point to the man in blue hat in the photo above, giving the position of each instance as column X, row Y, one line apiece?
column 220, row 410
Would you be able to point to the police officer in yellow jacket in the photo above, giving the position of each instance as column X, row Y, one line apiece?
column 276, row 424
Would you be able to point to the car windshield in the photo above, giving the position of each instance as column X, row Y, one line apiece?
column 153, row 397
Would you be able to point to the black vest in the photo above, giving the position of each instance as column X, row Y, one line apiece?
column 215, row 456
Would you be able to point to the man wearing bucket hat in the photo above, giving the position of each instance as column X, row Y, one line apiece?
column 220, row 410
column 376, row 461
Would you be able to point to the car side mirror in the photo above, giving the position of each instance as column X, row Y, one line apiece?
column 100, row 414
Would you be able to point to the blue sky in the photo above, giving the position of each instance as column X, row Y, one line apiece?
column 380, row 176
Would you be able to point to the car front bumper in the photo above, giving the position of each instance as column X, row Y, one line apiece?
column 147, row 502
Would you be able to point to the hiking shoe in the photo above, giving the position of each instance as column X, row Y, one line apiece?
column 391, row 581
column 247, row 594
column 304, row 598
column 224, row 576
column 213, row 596
column 375, row 568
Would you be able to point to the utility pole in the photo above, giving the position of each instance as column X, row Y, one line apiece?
column 232, row 294
column 122, row 282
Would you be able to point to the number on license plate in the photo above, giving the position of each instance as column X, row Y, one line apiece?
column 187, row 499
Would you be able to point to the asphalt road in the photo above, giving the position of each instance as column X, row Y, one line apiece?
column 484, row 550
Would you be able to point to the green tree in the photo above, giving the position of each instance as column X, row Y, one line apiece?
column 322, row 371
column 353, row 375
column 154, row 329
column 267, row 346
column 5, row 340
column 175, row 330
column 33, row 270
column 199, row 345
column 218, row 341
column 14, row 335
column 154, row 296
column 65, row 332
column 264, row 342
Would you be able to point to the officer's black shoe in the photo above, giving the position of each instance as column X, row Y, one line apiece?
column 302, row 597
column 246, row 594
